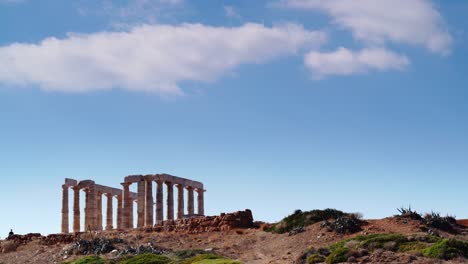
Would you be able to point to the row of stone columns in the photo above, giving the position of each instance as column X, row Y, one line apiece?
column 93, row 209
column 146, row 203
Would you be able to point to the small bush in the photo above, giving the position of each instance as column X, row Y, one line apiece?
column 409, row 213
column 337, row 256
column 315, row 258
column 89, row 260
column 184, row 254
column 347, row 224
column 205, row 256
column 301, row 219
column 147, row 259
column 447, row 223
column 412, row 247
column 447, row 249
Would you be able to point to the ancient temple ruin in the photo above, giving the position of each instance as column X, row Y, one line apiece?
column 93, row 217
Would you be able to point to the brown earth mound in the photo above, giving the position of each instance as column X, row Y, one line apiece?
column 241, row 241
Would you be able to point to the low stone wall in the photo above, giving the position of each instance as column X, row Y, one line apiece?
column 45, row 240
column 223, row 222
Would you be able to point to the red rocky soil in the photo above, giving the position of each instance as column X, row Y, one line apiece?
column 249, row 245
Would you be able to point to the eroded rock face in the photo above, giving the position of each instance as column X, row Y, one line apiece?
column 223, row 222
column 23, row 239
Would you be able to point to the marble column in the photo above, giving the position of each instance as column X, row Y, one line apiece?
column 159, row 203
column 91, row 210
column 109, row 212
column 170, row 201
column 180, row 201
column 86, row 217
column 141, row 203
column 127, row 203
column 119, row 212
column 99, row 211
column 201, row 201
column 191, row 208
column 130, row 219
column 149, row 203
column 65, row 209
column 76, row 209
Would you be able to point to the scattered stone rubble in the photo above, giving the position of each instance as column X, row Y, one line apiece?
column 223, row 222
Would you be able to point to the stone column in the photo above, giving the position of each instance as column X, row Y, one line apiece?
column 141, row 203
column 190, row 201
column 76, row 209
column 127, row 203
column 180, row 201
column 119, row 212
column 91, row 210
column 170, row 201
column 109, row 212
column 201, row 201
column 65, row 209
column 130, row 219
column 99, row 211
column 86, row 218
column 149, row 203
column 159, row 203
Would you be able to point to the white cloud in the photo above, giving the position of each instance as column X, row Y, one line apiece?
column 151, row 57
column 346, row 62
column 415, row 22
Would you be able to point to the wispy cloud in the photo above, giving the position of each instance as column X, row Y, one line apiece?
column 374, row 22
column 347, row 62
column 231, row 12
column 129, row 13
column 152, row 58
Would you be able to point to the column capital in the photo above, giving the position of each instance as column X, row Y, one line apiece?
column 199, row 190
column 65, row 186
column 109, row 195
column 189, row 188
column 126, row 184
column 168, row 183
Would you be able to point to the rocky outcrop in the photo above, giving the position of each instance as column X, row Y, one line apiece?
column 222, row 222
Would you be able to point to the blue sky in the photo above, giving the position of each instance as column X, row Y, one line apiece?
column 274, row 105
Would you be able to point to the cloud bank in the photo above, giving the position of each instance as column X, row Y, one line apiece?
column 153, row 58
column 375, row 22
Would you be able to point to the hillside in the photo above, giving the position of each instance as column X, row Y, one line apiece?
column 411, row 242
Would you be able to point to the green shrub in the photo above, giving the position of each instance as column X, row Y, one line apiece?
column 88, row 260
column 147, row 259
column 302, row 219
column 447, row 249
column 184, row 254
column 445, row 223
column 315, row 258
column 201, row 257
column 378, row 240
column 412, row 247
column 409, row 213
column 337, row 256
